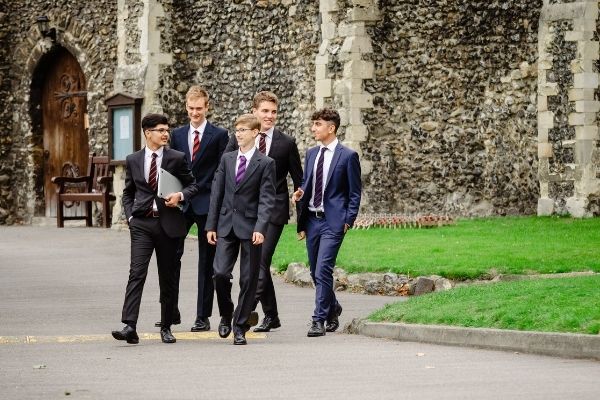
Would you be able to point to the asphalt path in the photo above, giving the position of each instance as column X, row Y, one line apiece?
column 61, row 293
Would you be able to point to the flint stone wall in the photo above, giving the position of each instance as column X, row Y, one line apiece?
column 88, row 31
column 453, row 127
column 237, row 49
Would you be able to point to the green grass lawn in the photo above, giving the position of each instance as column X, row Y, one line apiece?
column 470, row 249
column 549, row 305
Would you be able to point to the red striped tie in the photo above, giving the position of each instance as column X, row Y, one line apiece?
column 196, row 145
column 262, row 143
column 152, row 175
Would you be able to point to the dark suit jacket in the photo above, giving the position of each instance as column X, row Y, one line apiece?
column 287, row 160
column 341, row 198
column 243, row 208
column 214, row 140
column 138, row 195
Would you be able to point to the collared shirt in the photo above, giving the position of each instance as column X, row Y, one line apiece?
column 248, row 156
column 191, row 135
column 147, row 161
column 268, row 139
column 326, row 164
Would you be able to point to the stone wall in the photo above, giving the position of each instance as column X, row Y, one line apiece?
column 88, row 31
column 453, row 128
column 441, row 98
column 237, row 49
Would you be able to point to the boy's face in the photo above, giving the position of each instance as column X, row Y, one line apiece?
column 245, row 136
column 266, row 114
column 196, row 109
column 324, row 131
column 157, row 136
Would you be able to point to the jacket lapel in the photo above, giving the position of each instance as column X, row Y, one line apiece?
column 251, row 167
column 275, row 141
column 207, row 137
column 336, row 157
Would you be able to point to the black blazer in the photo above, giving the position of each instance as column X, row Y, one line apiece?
column 138, row 195
column 243, row 208
column 287, row 160
column 214, row 140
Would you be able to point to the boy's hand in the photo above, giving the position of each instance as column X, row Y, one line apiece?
column 173, row 199
column 211, row 237
column 301, row 235
column 257, row 238
column 297, row 195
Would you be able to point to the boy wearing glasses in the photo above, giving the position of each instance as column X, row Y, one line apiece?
column 241, row 201
column 155, row 224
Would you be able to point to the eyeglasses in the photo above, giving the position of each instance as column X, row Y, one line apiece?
column 159, row 130
column 242, row 130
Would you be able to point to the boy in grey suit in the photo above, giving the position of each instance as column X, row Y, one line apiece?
column 241, row 201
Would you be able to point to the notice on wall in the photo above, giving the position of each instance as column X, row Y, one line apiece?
column 124, row 127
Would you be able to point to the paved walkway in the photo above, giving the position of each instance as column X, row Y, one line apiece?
column 61, row 292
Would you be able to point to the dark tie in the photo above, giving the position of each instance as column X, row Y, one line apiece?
column 241, row 170
column 196, row 145
column 318, row 198
column 152, row 176
column 262, row 143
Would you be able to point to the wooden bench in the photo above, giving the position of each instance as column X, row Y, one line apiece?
column 94, row 187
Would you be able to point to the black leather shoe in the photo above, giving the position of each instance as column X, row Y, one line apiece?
column 225, row 327
column 128, row 333
column 317, row 329
column 267, row 324
column 239, row 336
column 166, row 336
column 334, row 322
column 158, row 324
column 201, row 324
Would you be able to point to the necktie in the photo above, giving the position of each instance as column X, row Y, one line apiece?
column 318, row 198
column 262, row 143
column 241, row 170
column 196, row 145
column 152, row 175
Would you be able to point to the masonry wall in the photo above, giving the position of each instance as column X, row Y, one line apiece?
column 88, row 31
column 453, row 127
column 238, row 49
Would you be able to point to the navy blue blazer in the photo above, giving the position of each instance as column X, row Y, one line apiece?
column 212, row 145
column 341, row 199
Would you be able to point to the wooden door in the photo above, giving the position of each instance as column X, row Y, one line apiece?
column 64, row 105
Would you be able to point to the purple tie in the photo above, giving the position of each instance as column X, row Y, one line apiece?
column 262, row 143
column 152, row 175
column 241, row 170
column 318, row 198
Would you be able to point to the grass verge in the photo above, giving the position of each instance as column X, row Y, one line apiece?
column 569, row 305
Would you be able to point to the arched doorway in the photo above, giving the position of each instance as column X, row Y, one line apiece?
column 62, row 95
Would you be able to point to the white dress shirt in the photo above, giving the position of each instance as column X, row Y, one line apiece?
column 191, row 135
column 268, row 139
column 326, row 164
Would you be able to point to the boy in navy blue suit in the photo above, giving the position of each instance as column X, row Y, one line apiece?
column 330, row 197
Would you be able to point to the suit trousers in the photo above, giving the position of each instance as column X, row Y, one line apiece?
column 265, row 292
column 226, row 255
column 148, row 236
column 322, row 246
column 206, row 256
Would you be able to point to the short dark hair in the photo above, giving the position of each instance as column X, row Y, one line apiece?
column 151, row 120
column 327, row 114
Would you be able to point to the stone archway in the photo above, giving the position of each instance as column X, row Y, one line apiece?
column 33, row 56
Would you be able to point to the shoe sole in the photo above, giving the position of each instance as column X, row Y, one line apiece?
column 199, row 329
column 259, row 329
column 252, row 319
column 315, row 334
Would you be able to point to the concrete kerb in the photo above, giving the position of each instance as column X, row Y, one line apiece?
column 552, row 344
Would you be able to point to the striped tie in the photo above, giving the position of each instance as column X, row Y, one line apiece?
column 241, row 170
column 262, row 143
column 318, row 198
column 152, row 175
column 196, row 145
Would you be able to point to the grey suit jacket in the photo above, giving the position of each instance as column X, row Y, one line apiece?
column 243, row 208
